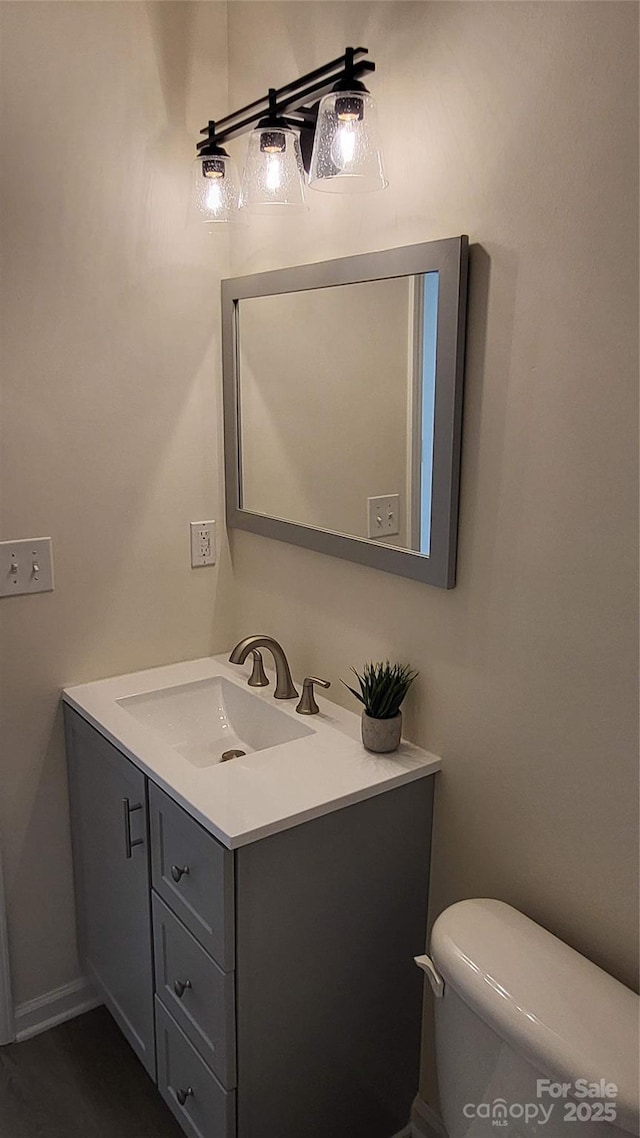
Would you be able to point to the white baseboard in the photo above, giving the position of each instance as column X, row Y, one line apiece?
column 55, row 1007
column 425, row 1123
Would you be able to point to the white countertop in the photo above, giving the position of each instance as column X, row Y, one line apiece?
column 260, row 793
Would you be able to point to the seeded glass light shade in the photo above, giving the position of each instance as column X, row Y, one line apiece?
column 346, row 149
column 273, row 178
column 215, row 189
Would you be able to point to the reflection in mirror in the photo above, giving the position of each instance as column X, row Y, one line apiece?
column 336, row 408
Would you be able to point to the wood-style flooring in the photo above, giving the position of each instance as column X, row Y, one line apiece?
column 80, row 1080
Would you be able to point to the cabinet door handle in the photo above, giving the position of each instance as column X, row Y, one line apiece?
column 182, row 1096
column 127, row 810
column 178, row 871
column 179, row 987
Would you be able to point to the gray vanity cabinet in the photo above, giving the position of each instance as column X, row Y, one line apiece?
column 329, row 915
column 108, row 798
column 286, row 1001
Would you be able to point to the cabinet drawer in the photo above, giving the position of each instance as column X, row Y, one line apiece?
column 201, row 1105
column 199, row 995
column 193, row 873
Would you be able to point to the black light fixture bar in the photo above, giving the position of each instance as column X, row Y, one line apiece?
column 303, row 116
column 291, row 98
column 335, row 65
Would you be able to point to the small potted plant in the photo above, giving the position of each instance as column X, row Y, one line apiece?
column 382, row 690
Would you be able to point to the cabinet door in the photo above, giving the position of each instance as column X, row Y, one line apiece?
column 111, row 870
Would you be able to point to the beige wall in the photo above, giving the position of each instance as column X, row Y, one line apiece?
column 324, row 384
column 110, row 423
column 515, row 123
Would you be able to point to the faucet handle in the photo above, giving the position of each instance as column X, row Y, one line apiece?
column 258, row 677
column 308, row 705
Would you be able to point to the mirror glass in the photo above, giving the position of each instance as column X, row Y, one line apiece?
column 343, row 404
column 336, row 405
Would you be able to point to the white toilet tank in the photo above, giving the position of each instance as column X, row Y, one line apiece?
column 531, row 1038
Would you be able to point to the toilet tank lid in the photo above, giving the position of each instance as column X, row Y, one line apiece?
column 563, row 1013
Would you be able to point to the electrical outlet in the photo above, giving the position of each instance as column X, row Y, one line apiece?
column 26, row 566
column 203, row 543
column 383, row 515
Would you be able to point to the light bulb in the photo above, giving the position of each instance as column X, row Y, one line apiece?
column 274, row 173
column 213, row 199
column 344, row 144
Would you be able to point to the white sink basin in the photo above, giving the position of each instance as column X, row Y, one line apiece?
column 205, row 719
column 175, row 722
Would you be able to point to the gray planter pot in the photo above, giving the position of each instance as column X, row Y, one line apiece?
column 381, row 735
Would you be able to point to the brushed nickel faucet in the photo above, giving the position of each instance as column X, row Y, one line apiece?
column 284, row 684
column 257, row 679
column 308, row 705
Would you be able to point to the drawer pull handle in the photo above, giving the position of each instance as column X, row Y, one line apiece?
column 127, row 810
column 182, row 1096
column 178, row 871
column 179, row 987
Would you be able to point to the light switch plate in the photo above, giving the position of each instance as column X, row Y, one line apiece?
column 203, row 543
column 26, row 566
column 383, row 515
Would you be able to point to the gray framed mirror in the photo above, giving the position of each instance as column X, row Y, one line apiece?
column 343, row 406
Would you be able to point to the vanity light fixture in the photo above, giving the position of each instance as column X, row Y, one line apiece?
column 346, row 148
column 215, row 186
column 273, row 177
column 323, row 123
